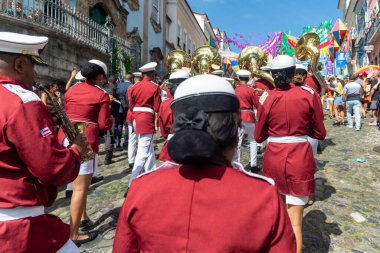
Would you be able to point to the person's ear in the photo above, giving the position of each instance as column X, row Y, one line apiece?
column 18, row 65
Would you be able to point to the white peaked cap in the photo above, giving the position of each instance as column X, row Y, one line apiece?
column 218, row 72
column 282, row 62
column 79, row 76
column 137, row 74
column 265, row 68
column 148, row 67
column 207, row 92
column 228, row 79
column 179, row 74
column 243, row 73
column 100, row 64
column 18, row 43
column 301, row 66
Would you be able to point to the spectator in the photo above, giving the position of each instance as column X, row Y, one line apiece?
column 330, row 95
column 338, row 107
column 366, row 94
column 374, row 97
column 352, row 93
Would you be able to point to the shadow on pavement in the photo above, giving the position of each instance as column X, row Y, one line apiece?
column 326, row 143
column 323, row 190
column 316, row 232
column 111, row 217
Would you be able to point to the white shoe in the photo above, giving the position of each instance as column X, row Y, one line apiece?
column 349, row 126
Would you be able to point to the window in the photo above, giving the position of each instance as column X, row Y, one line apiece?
column 156, row 11
column 179, row 35
column 168, row 23
column 98, row 14
column 189, row 45
column 184, row 40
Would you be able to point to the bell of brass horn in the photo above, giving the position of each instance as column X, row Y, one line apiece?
column 252, row 58
column 206, row 59
column 307, row 48
column 176, row 60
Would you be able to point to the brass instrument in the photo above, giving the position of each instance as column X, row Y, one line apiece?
column 71, row 130
column 252, row 58
column 308, row 48
column 206, row 59
column 176, row 60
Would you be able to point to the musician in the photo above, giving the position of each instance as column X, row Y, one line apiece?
column 261, row 85
column 312, row 81
column 33, row 164
column 248, row 103
column 287, row 116
column 86, row 102
column 229, row 210
column 145, row 102
column 165, row 114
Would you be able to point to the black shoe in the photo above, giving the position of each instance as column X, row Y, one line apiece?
column 91, row 237
column 125, row 146
column 255, row 169
column 258, row 150
column 95, row 180
column 336, row 123
column 108, row 161
column 85, row 223
column 68, row 194
column 131, row 166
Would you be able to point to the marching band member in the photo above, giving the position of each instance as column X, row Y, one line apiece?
column 312, row 81
column 165, row 114
column 145, row 101
column 200, row 198
column 85, row 102
column 287, row 116
column 248, row 103
column 33, row 164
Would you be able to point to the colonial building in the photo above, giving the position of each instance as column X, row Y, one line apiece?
column 222, row 42
column 363, row 19
column 182, row 28
column 78, row 31
column 146, row 25
column 206, row 26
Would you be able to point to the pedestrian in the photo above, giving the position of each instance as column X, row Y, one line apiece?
column 288, row 115
column 330, row 95
column 204, row 205
column 352, row 92
column 87, row 102
column 145, row 101
column 248, row 103
column 33, row 162
column 165, row 113
column 122, row 112
column 338, row 106
column 374, row 96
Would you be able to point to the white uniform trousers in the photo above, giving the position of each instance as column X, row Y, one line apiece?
column 145, row 157
column 249, row 129
column 132, row 144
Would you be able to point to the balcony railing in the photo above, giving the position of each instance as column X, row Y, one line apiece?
column 55, row 15
column 374, row 27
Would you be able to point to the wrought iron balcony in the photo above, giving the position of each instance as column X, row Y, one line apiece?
column 55, row 15
column 373, row 29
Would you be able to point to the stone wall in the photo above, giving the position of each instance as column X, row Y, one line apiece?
column 62, row 53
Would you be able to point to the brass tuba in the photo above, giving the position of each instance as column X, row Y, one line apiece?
column 206, row 59
column 252, row 58
column 176, row 60
column 308, row 48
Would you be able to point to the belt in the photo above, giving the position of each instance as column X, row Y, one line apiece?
column 21, row 212
column 287, row 139
column 170, row 136
column 143, row 109
column 247, row 110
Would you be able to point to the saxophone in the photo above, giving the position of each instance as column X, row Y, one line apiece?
column 70, row 129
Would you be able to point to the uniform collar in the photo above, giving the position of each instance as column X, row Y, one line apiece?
column 147, row 78
column 6, row 79
column 243, row 84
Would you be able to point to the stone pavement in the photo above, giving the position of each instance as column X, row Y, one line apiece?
column 344, row 218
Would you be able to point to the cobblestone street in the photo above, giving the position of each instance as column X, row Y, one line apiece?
column 344, row 218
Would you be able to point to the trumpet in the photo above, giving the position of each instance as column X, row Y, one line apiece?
column 113, row 99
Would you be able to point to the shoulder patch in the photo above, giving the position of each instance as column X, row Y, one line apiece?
column 165, row 165
column 239, row 167
column 100, row 88
column 263, row 97
column 25, row 95
column 308, row 88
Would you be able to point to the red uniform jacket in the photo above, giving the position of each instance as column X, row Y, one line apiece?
column 263, row 84
column 129, row 118
column 292, row 112
column 248, row 101
column 32, row 166
column 209, row 209
column 165, row 122
column 85, row 102
column 312, row 82
column 145, row 94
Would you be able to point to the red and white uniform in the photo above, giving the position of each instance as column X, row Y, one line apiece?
column 262, row 84
column 291, row 114
column 32, row 166
column 132, row 137
column 165, row 122
column 248, row 103
column 210, row 209
column 145, row 100
column 312, row 82
column 85, row 102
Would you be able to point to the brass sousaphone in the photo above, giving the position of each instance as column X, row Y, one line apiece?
column 252, row 58
column 176, row 60
column 307, row 48
column 206, row 59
